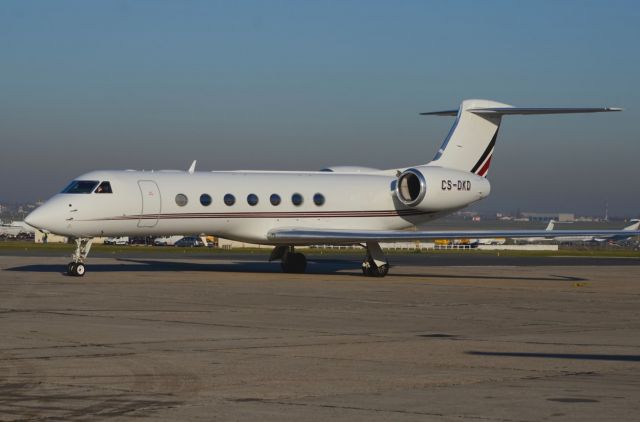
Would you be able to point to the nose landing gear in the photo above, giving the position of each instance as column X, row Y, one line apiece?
column 76, row 267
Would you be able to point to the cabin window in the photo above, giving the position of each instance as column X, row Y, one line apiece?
column 318, row 199
column 229, row 199
column 81, row 186
column 275, row 199
column 252, row 199
column 181, row 199
column 205, row 199
column 104, row 187
column 297, row 199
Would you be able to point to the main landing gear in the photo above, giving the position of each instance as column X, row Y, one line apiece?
column 292, row 261
column 374, row 265
column 76, row 267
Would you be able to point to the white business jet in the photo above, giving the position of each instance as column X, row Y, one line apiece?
column 339, row 205
column 15, row 228
column 545, row 238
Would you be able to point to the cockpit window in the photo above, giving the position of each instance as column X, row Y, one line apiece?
column 104, row 187
column 81, row 186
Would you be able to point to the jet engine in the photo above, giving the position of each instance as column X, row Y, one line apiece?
column 431, row 188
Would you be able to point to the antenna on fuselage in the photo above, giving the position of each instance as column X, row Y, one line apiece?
column 193, row 167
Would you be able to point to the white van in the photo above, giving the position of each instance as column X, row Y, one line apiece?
column 116, row 240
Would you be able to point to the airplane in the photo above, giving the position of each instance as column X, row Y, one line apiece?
column 9, row 230
column 536, row 239
column 286, row 209
column 15, row 228
column 592, row 238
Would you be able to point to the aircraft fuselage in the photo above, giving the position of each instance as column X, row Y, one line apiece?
column 145, row 203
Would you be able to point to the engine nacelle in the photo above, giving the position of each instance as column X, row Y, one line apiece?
column 431, row 188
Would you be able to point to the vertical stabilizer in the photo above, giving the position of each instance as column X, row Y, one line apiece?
column 634, row 226
column 470, row 143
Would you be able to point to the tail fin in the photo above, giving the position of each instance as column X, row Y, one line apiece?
column 470, row 143
column 550, row 225
column 633, row 226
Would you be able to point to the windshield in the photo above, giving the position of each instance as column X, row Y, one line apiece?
column 81, row 186
column 105, row 187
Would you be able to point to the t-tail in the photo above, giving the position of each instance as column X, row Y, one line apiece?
column 471, row 142
column 550, row 225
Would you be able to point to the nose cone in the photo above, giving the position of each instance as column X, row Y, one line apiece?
column 37, row 218
column 54, row 216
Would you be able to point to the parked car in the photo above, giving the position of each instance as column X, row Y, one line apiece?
column 166, row 240
column 144, row 240
column 189, row 242
column 116, row 241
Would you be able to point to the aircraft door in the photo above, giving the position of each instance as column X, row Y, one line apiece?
column 151, row 203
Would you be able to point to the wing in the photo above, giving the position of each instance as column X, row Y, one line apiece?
column 311, row 236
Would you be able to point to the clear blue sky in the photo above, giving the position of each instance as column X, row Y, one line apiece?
column 302, row 85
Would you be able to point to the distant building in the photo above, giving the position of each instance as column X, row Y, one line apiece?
column 41, row 237
column 542, row 216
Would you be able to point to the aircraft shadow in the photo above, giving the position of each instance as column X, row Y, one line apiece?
column 316, row 266
column 551, row 277
column 141, row 265
column 576, row 356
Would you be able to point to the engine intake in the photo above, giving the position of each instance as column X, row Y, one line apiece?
column 411, row 187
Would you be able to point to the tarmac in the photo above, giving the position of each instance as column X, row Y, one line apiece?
column 232, row 338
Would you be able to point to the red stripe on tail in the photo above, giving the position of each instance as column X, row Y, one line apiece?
column 485, row 167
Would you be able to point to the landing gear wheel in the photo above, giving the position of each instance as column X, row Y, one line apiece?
column 370, row 269
column 294, row 263
column 382, row 270
column 76, row 269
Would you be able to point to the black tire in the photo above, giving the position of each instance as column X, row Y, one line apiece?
column 70, row 268
column 370, row 269
column 301, row 263
column 382, row 270
column 294, row 263
column 80, row 269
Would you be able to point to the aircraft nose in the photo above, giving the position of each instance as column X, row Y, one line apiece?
column 36, row 218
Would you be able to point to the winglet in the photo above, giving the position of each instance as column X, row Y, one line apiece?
column 193, row 167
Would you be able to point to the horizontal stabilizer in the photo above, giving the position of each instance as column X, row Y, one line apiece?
column 541, row 110
column 471, row 142
column 315, row 236
column 441, row 113
column 504, row 111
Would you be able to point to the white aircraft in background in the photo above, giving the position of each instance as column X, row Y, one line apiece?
column 341, row 205
column 15, row 228
column 624, row 235
column 536, row 239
